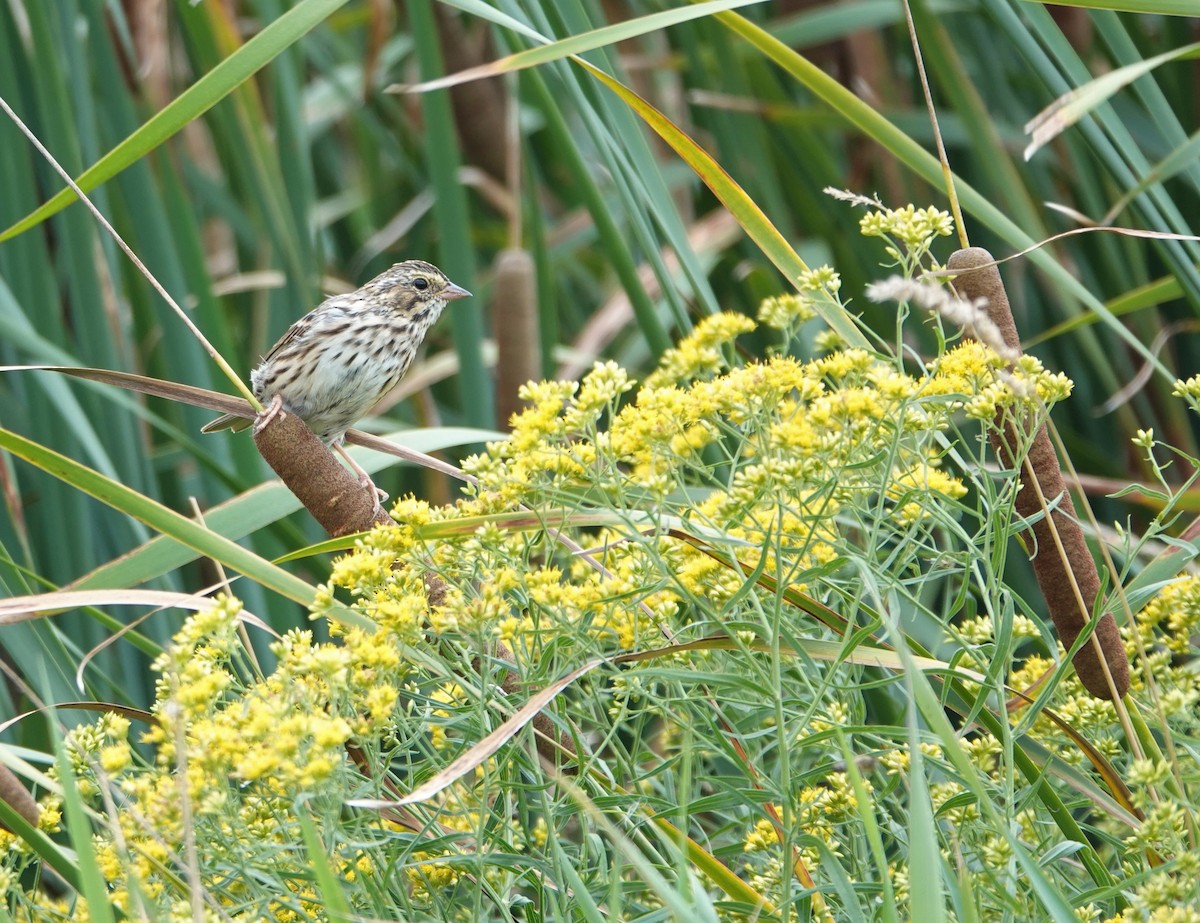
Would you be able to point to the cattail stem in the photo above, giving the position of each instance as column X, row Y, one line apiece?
column 1062, row 564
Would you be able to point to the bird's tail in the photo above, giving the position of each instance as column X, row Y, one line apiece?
column 228, row 421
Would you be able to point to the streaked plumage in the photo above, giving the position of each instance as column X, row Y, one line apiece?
column 335, row 363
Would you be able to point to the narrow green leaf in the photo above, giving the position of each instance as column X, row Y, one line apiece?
column 925, row 855
column 1184, row 157
column 734, row 198
column 720, row 873
column 491, row 14
column 457, row 252
column 91, row 883
column 1156, row 7
column 167, row 521
column 933, row 711
column 512, row 521
column 254, row 509
column 333, row 896
column 55, row 856
column 1071, row 107
column 578, row 44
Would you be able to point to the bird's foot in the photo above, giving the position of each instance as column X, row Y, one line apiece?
column 364, row 479
column 380, row 493
column 269, row 413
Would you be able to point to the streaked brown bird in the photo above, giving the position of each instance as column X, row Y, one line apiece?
column 336, row 362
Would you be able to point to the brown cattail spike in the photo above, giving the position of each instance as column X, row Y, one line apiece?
column 515, row 322
column 17, row 797
column 328, row 490
column 480, row 106
column 1068, row 578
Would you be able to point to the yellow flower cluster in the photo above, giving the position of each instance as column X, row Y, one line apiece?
column 1172, row 618
column 819, row 812
column 1189, row 388
column 787, row 312
column 914, row 227
column 287, row 731
column 701, row 352
column 231, row 753
column 908, row 234
column 1167, row 894
column 761, row 459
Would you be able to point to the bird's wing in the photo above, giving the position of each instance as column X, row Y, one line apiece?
column 294, row 332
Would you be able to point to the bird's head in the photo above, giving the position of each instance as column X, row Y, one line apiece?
column 414, row 287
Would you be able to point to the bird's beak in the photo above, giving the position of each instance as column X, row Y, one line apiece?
column 454, row 292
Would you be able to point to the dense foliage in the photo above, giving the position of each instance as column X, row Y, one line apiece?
column 742, row 519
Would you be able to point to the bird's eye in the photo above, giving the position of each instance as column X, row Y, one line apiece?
column 420, row 284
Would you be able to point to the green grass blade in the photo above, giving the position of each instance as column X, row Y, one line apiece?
column 252, row 510
column 159, row 517
column 925, row 877
column 586, row 41
column 193, row 102
column 92, row 886
column 55, row 856
column 457, row 254
column 743, row 208
column 331, row 889
column 1153, row 7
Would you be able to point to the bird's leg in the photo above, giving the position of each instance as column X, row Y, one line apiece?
column 269, row 413
column 363, row 478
